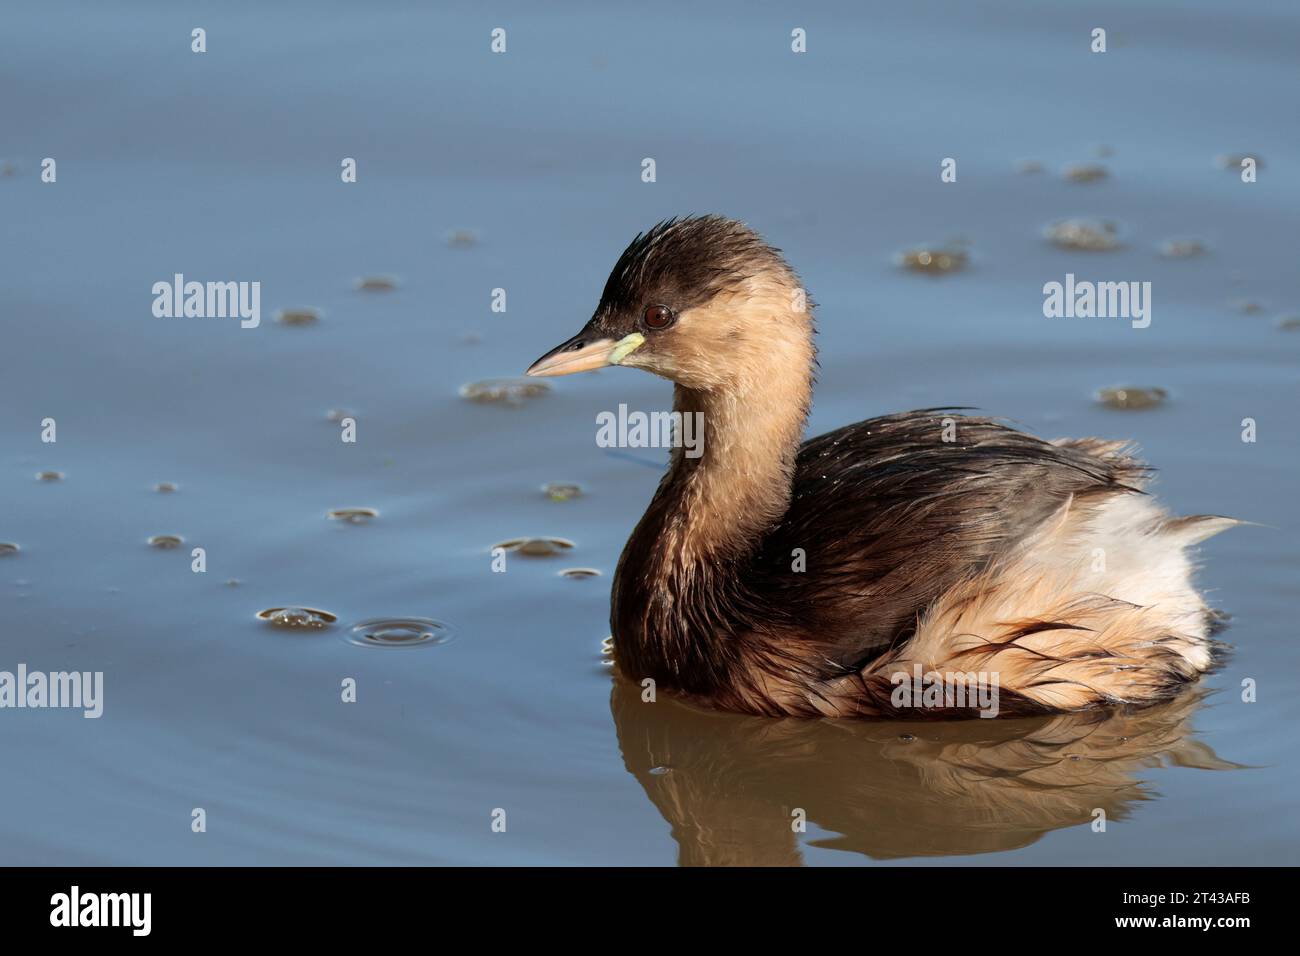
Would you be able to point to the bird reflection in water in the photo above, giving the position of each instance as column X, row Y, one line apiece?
column 729, row 784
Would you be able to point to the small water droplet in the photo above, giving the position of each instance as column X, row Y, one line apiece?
column 353, row 515
column 398, row 632
column 1028, row 167
column 297, row 617
column 1247, row 306
column 1092, row 235
column 376, row 283
column 506, row 391
column 660, row 771
column 906, row 738
column 1128, row 397
column 50, row 476
column 166, row 542
column 8, row 548
column 233, row 583
column 304, row 316
column 1182, row 248
column 562, row 491
column 462, row 238
column 1289, row 323
column 1084, row 173
column 579, row 573
column 934, row 260
column 165, row 487
column 536, row 547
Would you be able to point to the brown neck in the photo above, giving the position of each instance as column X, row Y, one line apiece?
column 719, row 504
column 681, row 585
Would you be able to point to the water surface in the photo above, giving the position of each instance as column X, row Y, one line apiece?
column 522, row 172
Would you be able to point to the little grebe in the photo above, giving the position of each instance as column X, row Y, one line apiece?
column 775, row 576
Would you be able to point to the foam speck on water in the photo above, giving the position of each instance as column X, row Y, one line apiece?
column 297, row 617
column 536, row 547
column 504, row 391
column 1084, row 173
column 562, row 490
column 353, row 515
column 579, row 573
column 934, row 260
column 1091, row 235
column 305, row 316
column 1131, row 398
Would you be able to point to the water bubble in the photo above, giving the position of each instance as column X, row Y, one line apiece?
column 505, row 391
column 562, row 491
column 304, row 316
column 1182, row 248
column 297, row 617
column 536, row 547
column 1084, row 173
column 398, row 632
column 660, row 771
column 166, row 542
column 907, row 738
column 579, row 573
column 1128, row 397
column 50, row 476
column 165, row 487
column 234, row 583
column 936, row 260
column 353, row 515
column 462, row 238
column 7, row 548
column 1093, row 235
column 376, row 283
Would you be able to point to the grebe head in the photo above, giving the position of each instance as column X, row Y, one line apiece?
column 703, row 301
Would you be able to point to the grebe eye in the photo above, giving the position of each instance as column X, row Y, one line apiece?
column 659, row 317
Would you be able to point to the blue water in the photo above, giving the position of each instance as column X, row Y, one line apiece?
column 225, row 166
